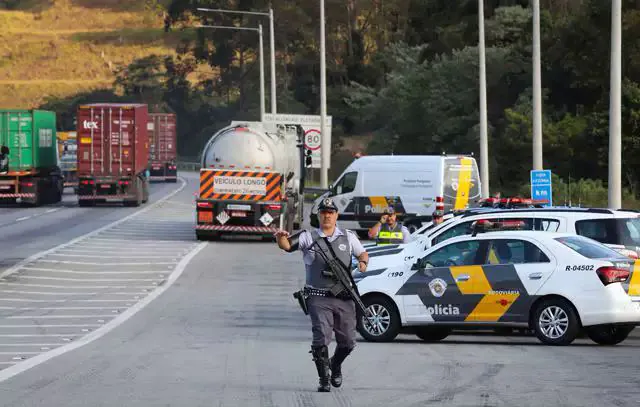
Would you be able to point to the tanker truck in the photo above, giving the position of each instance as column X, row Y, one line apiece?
column 251, row 181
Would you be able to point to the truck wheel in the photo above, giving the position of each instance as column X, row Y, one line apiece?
column 84, row 203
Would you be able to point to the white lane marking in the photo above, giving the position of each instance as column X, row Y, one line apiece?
column 162, row 272
column 19, row 353
column 43, row 357
column 23, row 218
column 43, row 293
column 118, row 252
column 52, row 210
column 146, row 263
column 57, row 316
column 90, row 280
column 52, row 326
column 79, row 287
column 93, row 256
column 27, row 300
column 39, row 335
column 104, row 300
column 154, row 243
column 10, row 345
column 84, row 237
column 8, row 363
column 59, row 308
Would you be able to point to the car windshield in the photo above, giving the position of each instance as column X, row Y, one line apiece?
column 590, row 248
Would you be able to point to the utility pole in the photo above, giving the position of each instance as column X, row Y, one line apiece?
column 484, row 139
column 615, row 115
column 271, row 42
column 537, row 89
column 325, row 148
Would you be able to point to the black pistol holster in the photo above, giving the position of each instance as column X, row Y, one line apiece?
column 302, row 300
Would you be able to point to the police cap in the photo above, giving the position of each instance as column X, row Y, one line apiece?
column 327, row 204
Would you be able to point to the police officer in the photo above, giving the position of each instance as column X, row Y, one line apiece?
column 388, row 230
column 328, row 313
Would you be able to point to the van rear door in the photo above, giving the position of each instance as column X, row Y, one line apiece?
column 461, row 183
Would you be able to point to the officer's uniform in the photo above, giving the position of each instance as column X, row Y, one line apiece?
column 328, row 313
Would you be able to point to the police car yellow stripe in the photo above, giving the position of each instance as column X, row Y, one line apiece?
column 495, row 301
column 464, row 181
column 634, row 284
column 477, row 282
column 492, row 307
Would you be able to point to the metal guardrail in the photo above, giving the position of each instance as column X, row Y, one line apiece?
column 188, row 166
column 315, row 190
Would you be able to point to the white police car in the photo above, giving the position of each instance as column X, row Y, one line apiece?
column 556, row 284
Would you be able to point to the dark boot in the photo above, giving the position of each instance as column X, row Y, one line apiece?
column 335, row 364
column 321, row 358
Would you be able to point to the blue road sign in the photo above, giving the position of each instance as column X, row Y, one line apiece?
column 541, row 186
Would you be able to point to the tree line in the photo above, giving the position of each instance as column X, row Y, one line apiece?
column 405, row 73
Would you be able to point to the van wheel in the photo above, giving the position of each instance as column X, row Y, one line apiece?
column 555, row 322
column 609, row 334
column 386, row 320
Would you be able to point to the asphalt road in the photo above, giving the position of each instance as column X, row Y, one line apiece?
column 227, row 332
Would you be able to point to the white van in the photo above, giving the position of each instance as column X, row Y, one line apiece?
column 412, row 183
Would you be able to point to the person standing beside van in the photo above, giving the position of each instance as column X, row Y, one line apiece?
column 388, row 230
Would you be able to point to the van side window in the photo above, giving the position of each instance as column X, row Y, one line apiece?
column 346, row 184
column 601, row 230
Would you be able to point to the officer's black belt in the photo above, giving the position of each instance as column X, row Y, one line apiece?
column 317, row 292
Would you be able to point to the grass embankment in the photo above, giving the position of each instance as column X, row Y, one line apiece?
column 64, row 47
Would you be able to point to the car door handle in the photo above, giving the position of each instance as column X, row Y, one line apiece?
column 463, row 277
column 535, row 276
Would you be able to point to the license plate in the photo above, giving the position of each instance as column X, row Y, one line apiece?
column 239, row 214
column 206, row 217
column 105, row 186
column 238, row 207
column 5, row 186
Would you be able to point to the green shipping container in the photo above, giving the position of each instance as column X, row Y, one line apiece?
column 31, row 138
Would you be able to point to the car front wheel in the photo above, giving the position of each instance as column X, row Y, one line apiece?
column 555, row 322
column 385, row 321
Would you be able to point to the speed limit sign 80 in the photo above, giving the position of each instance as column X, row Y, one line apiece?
column 312, row 139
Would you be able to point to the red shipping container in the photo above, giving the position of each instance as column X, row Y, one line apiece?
column 112, row 139
column 162, row 138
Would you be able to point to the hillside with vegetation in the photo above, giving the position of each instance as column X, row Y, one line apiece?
column 402, row 75
column 58, row 48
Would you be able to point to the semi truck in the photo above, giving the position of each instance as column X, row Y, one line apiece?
column 113, row 153
column 251, row 181
column 67, row 149
column 162, row 147
column 29, row 164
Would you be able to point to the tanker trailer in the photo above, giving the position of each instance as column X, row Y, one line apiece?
column 251, row 181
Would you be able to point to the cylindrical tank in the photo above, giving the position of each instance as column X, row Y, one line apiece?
column 250, row 147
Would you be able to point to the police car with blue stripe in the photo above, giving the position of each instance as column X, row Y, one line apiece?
column 556, row 284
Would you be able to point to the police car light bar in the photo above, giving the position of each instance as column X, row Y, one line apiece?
column 509, row 203
column 485, row 225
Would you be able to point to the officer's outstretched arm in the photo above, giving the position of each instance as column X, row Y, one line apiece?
column 290, row 243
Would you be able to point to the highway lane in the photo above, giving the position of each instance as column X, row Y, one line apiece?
column 227, row 332
column 25, row 231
